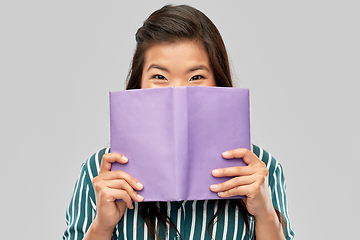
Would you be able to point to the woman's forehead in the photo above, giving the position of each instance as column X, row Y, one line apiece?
column 184, row 52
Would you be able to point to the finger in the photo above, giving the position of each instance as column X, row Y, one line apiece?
column 250, row 190
column 247, row 155
column 121, row 206
column 233, row 183
column 123, row 185
column 233, row 171
column 127, row 198
column 116, row 194
column 238, row 191
column 120, row 175
column 109, row 158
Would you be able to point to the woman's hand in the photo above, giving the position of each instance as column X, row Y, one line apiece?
column 109, row 186
column 250, row 180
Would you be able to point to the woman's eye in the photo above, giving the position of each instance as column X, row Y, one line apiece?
column 159, row 77
column 197, row 77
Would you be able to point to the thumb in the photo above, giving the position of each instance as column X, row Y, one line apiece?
column 247, row 156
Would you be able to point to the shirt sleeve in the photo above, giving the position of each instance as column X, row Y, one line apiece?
column 82, row 208
column 277, row 186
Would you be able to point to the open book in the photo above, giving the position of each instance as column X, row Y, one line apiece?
column 174, row 137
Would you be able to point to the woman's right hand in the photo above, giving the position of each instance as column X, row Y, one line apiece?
column 109, row 186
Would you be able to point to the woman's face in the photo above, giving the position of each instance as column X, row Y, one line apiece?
column 184, row 63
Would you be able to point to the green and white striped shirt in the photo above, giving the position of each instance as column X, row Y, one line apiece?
column 191, row 218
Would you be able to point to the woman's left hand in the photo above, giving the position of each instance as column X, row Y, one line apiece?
column 250, row 180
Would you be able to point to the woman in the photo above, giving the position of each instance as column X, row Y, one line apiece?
column 180, row 46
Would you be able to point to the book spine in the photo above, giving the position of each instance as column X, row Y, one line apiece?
column 181, row 140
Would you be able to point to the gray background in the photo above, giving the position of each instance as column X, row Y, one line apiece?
column 59, row 60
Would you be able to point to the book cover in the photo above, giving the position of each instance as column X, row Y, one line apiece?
column 174, row 137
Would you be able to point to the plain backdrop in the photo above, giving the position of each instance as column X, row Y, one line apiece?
column 59, row 60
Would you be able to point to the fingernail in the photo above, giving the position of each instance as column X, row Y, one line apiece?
column 216, row 172
column 125, row 158
column 140, row 197
column 220, row 193
column 139, row 185
column 214, row 187
column 225, row 154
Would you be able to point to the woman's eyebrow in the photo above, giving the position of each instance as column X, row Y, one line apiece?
column 157, row 67
column 201, row 67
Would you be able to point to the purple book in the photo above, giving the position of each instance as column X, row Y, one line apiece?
column 174, row 137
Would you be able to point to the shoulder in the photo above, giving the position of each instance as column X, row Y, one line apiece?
column 92, row 165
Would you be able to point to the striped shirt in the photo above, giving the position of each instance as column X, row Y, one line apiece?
column 191, row 218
